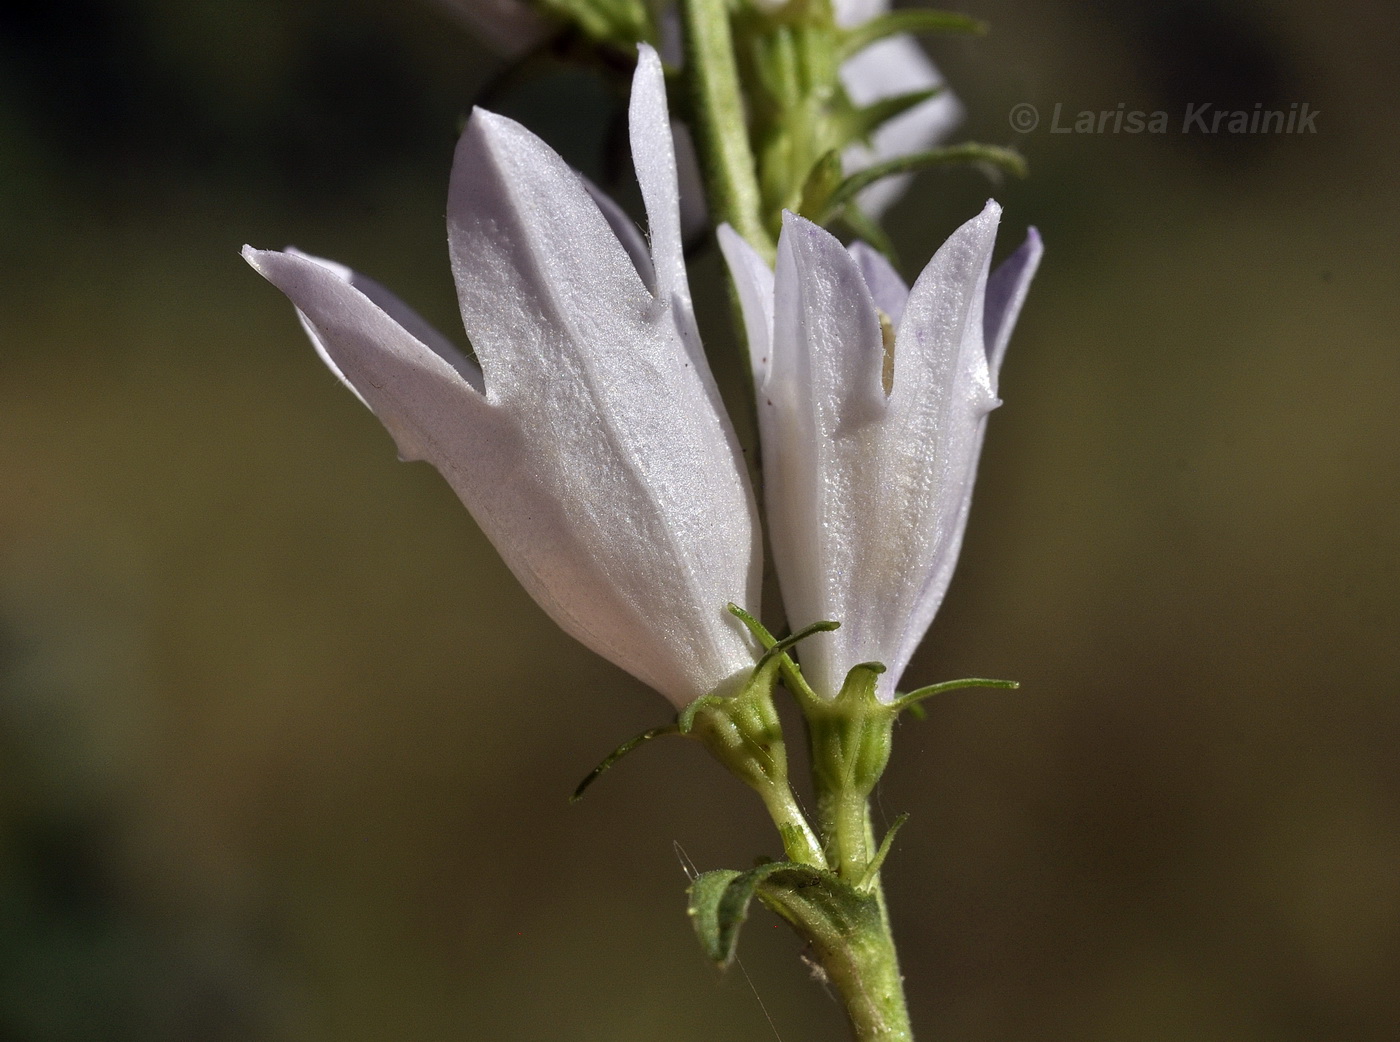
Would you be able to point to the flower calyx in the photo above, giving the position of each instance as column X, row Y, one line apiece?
column 744, row 733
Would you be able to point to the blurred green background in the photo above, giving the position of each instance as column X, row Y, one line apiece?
column 284, row 751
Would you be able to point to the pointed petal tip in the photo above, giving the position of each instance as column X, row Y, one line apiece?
column 982, row 228
column 488, row 126
column 795, row 223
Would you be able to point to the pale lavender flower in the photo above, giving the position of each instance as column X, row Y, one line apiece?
column 871, row 435
column 590, row 444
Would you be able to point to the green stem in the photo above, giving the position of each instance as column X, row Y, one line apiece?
column 858, row 957
column 721, row 124
column 800, row 843
column 846, row 824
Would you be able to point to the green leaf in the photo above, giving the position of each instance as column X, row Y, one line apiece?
column 859, row 123
column 909, row 20
column 618, row 753
column 991, row 155
column 705, row 895
column 867, row 882
column 719, row 902
column 823, row 179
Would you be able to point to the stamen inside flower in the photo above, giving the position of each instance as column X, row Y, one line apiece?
column 887, row 337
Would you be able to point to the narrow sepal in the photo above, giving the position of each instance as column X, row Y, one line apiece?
column 618, row 753
column 891, row 66
column 913, row 698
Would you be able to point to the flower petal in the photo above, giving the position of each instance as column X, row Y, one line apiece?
column 753, row 280
column 1006, row 293
column 419, row 394
column 820, row 417
column 942, row 394
column 654, row 159
column 405, row 316
column 943, row 316
column 531, row 253
column 888, row 289
column 626, row 231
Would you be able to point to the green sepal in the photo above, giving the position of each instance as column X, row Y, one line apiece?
column 909, row 20
column 759, row 631
column 913, row 698
column 792, row 674
column 618, row 753
column 685, row 720
column 971, row 152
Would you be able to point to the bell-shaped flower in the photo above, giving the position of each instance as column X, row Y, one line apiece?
column 872, row 401
column 590, row 443
column 889, row 67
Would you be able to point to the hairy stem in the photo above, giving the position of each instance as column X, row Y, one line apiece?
column 720, row 122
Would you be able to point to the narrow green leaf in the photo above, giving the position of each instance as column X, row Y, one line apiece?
column 971, row 152
column 861, row 122
column 618, row 753
column 909, row 20
column 867, row 881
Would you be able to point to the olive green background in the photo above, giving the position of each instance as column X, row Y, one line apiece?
column 284, row 751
